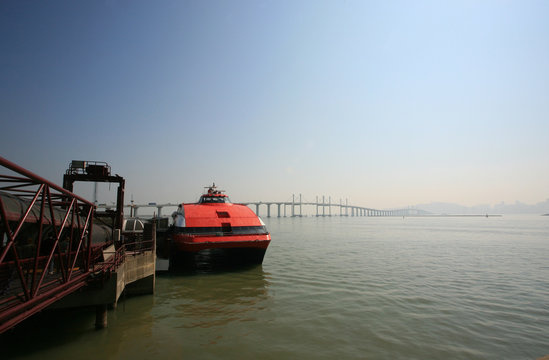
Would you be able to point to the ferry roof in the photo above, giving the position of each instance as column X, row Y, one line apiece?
column 208, row 215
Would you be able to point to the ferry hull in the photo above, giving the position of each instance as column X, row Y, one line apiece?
column 217, row 259
column 197, row 251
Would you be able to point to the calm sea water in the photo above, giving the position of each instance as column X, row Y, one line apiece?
column 347, row 288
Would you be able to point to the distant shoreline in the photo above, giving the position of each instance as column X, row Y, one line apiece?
column 456, row 215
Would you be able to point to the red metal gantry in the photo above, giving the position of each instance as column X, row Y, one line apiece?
column 46, row 249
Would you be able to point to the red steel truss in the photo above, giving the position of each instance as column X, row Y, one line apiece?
column 45, row 243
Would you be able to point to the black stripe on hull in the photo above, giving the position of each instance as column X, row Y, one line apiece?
column 234, row 230
column 217, row 259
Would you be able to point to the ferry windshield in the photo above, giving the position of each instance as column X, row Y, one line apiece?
column 214, row 199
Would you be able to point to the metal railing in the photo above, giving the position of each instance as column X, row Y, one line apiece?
column 46, row 243
column 131, row 244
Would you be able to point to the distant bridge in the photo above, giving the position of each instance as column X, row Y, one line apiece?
column 322, row 206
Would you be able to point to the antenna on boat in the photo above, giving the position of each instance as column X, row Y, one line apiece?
column 213, row 189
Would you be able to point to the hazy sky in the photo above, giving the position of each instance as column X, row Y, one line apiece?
column 387, row 103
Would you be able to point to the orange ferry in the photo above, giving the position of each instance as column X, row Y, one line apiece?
column 214, row 224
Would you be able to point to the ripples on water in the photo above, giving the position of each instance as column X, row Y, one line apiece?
column 349, row 288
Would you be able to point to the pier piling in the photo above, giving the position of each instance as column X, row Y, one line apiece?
column 101, row 316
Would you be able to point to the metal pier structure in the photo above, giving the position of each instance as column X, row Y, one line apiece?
column 53, row 254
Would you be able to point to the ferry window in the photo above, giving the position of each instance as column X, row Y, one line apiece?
column 138, row 225
column 223, row 214
column 214, row 199
column 129, row 225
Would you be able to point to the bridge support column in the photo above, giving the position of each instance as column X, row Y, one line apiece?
column 159, row 211
column 268, row 210
column 278, row 209
column 257, row 209
column 135, row 211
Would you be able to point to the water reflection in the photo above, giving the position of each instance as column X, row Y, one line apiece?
column 133, row 319
column 46, row 330
column 212, row 298
column 70, row 333
column 205, row 298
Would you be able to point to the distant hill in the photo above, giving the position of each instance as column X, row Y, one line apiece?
column 501, row 208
